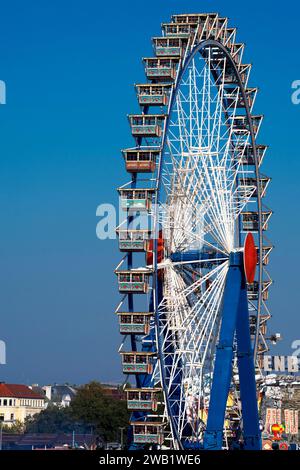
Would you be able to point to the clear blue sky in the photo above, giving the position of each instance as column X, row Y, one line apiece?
column 69, row 66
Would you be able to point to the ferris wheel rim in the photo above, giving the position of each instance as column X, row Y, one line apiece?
column 186, row 62
column 192, row 54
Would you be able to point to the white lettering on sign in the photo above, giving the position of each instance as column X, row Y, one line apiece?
column 281, row 364
column 293, row 364
column 268, row 364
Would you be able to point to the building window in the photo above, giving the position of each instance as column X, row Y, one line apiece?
column 10, row 402
column 4, row 402
column 12, row 417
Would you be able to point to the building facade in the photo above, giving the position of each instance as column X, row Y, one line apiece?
column 17, row 402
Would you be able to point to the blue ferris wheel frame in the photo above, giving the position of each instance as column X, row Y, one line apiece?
column 234, row 317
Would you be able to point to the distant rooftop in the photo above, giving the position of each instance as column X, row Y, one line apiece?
column 29, row 440
column 18, row 391
column 61, row 391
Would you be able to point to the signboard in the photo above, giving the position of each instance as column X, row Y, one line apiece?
column 273, row 416
column 281, row 364
column 291, row 421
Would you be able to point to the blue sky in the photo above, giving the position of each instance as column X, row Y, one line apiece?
column 68, row 66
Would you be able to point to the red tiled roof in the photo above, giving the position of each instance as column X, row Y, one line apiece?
column 18, row 391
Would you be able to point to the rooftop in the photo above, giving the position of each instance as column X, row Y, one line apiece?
column 18, row 391
column 42, row 440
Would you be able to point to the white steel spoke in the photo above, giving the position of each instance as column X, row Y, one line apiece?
column 201, row 200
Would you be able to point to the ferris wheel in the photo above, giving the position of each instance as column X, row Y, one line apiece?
column 193, row 276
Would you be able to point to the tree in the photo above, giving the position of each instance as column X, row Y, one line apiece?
column 16, row 428
column 50, row 420
column 104, row 413
column 90, row 410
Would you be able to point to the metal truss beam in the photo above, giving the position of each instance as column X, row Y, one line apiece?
column 235, row 318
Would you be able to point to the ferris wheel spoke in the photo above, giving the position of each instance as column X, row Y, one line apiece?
column 204, row 301
column 181, row 291
column 192, row 211
column 211, row 188
column 201, row 327
column 212, row 226
column 196, row 261
column 203, row 343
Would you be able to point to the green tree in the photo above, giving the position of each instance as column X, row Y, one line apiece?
column 50, row 420
column 16, row 428
column 91, row 410
column 104, row 413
